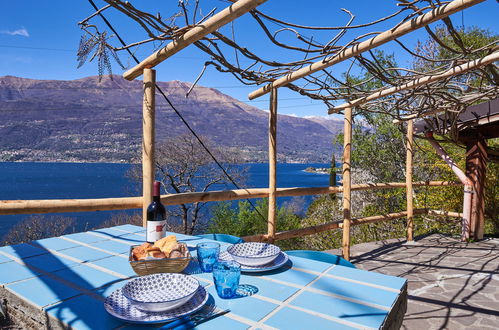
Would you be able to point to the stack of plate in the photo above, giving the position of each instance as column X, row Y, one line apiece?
column 255, row 257
column 157, row 298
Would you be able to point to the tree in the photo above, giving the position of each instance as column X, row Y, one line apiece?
column 38, row 227
column 182, row 165
column 244, row 220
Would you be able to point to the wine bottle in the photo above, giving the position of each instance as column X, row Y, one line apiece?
column 156, row 217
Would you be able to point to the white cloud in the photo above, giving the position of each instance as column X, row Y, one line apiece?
column 19, row 32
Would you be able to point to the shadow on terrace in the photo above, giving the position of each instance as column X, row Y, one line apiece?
column 80, row 270
column 451, row 284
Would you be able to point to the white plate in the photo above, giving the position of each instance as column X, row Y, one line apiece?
column 281, row 259
column 120, row 307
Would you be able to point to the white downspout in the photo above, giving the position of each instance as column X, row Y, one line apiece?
column 468, row 186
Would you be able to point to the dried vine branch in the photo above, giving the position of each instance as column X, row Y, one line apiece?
column 299, row 45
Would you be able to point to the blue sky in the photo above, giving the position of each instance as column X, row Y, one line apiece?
column 39, row 39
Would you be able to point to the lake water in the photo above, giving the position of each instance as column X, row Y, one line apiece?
column 97, row 180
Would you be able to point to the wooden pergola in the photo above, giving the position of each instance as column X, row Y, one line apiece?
column 239, row 8
column 477, row 152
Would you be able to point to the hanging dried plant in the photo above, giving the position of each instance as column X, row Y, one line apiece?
column 96, row 45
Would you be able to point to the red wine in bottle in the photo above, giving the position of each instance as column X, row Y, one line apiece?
column 156, row 217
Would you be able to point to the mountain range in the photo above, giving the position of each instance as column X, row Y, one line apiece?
column 87, row 120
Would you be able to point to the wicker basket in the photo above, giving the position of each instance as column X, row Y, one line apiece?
column 166, row 265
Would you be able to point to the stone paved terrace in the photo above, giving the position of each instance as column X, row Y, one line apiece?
column 452, row 285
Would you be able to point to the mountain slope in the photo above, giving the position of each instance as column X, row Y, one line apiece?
column 87, row 120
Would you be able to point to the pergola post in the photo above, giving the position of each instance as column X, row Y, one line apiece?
column 272, row 165
column 408, row 180
column 476, row 167
column 148, row 110
column 347, row 182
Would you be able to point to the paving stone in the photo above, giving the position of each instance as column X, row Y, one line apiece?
column 467, row 294
column 488, row 323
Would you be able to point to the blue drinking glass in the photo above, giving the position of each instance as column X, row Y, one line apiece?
column 226, row 275
column 207, row 255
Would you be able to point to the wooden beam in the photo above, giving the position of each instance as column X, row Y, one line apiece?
column 382, row 38
column 488, row 131
column 408, row 180
column 493, row 155
column 148, row 109
column 195, row 34
column 460, row 69
column 476, row 170
column 271, row 224
column 385, row 217
column 68, row 205
column 347, row 182
column 307, row 231
column 445, row 213
column 418, row 115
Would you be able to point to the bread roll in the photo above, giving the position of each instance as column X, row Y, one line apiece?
column 167, row 244
column 140, row 252
column 156, row 254
column 176, row 254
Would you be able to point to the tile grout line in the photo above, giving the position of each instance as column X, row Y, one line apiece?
column 244, row 320
column 114, row 239
column 308, row 311
column 287, row 301
column 326, row 293
column 377, row 286
column 307, row 288
column 89, row 264
column 359, row 302
column 81, row 262
column 53, row 277
column 329, row 294
column 138, row 233
column 330, row 318
column 94, row 247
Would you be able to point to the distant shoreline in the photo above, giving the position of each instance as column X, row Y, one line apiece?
column 317, row 170
column 136, row 163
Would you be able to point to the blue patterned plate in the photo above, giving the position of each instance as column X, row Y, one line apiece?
column 253, row 253
column 281, row 259
column 160, row 292
column 120, row 307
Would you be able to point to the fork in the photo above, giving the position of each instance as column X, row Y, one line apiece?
column 189, row 322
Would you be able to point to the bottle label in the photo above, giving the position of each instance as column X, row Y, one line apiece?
column 155, row 230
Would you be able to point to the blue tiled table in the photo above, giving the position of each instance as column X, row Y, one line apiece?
column 67, row 279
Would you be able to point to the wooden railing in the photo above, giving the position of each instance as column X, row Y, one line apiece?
column 126, row 203
column 339, row 224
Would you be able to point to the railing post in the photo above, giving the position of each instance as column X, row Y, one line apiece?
column 148, row 109
column 347, row 182
column 272, row 164
column 408, row 180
